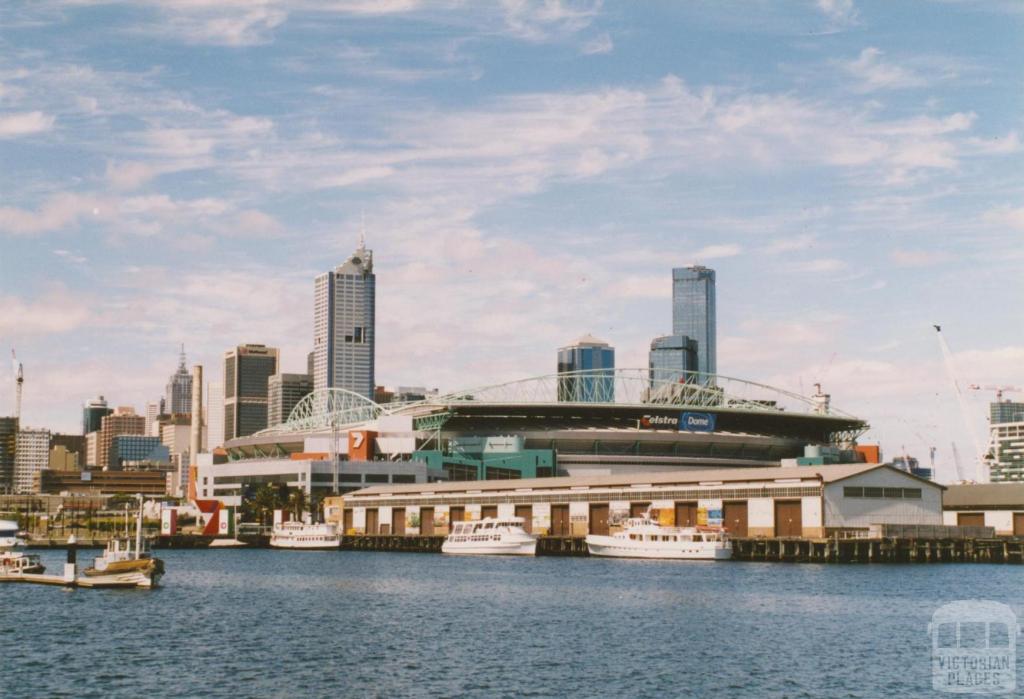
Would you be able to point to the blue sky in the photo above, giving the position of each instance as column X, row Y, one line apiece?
column 528, row 171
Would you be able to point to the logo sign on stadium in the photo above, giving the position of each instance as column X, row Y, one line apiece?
column 691, row 422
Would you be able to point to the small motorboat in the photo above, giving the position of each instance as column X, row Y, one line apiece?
column 124, row 563
column 17, row 563
column 490, row 536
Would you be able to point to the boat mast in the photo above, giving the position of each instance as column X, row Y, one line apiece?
column 138, row 531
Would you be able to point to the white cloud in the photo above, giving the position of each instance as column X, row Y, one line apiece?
column 56, row 311
column 872, row 73
column 1006, row 216
column 920, row 258
column 840, row 13
column 712, row 252
column 820, row 265
column 540, row 20
column 602, row 43
column 24, row 124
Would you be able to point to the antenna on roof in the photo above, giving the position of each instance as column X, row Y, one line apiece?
column 362, row 230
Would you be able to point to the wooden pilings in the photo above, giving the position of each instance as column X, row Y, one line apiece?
column 879, row 550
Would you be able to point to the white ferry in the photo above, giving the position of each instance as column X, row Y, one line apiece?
column 16, row 563
column 490, row 536
column 309, row 537
column 9, row 534
column 642, row 537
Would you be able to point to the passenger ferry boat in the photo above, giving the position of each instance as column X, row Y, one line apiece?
column 9, row 535
column 304, row 536
column 490, row 536
column 642, row 537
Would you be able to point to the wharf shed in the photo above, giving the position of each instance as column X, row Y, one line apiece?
column 997, row 505
column 792, row 501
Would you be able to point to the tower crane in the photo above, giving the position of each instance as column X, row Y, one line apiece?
column 19, row 379
column 979, row 455
column 1000, row 390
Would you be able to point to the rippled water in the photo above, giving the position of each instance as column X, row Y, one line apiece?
column 292, row 624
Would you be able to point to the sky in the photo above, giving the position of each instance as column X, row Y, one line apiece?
column 526, row 172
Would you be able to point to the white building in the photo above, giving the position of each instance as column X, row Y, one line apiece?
column 92, row 449
column 214, row 414
column 996, row 505
column 152, row 415
column 31, row 455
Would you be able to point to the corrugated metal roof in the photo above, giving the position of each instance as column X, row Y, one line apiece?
column 985, row 495
column 827, row 474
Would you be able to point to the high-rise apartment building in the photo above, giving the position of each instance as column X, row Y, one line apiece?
column 1006, row 422
column 671, row 357
column 214, row 414
column 693, row 312
column 284, row 391
column 31, row 457
column 179, row 389
column 93, row 413
column 152, row 419
column 92, row 449
column 344, row 309
column 247, row 369
column 123, row 421
column 8, row 450
column 591, row 355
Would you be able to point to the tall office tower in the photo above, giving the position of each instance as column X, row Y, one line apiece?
column 247, row 368
column 1006, row 423
column 344, row 306
column 587, row 354
column 93, row 413
column 310, row 363
column 122, row 421
column 8, row 451
column 670, row 358
column 31, row 457
column 179, row 389
column 214, row 414
column 152, row 419
column 283, row 392
column 693, row 312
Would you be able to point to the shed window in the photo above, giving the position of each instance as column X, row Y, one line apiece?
column 874, row 492
column 851, row 492
column 912, row 493
column 894, row 492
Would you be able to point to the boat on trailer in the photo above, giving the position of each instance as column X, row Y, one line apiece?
column 491, row 536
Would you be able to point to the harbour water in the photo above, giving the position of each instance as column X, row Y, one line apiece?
column 262, row 623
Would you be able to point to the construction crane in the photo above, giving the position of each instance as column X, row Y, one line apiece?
column 1000, row 390
column 979, row 455
column 19, row 379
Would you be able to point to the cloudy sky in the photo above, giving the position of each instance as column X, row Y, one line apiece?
column 179, row 170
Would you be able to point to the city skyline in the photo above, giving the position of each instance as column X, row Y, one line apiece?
column 850, row 170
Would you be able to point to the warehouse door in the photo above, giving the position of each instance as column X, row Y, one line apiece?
column 526, row 512
column 371, row 521
column 599, row 520
column 970, row 519
column 788, row 518
column 1018, row 523
column 489, row 511
column 734, row 518
column 398, row 521
column 686, row 514
column 560, row 520
column 427, row 521
column 457, row 514
column 346, row 521
column 637, row 509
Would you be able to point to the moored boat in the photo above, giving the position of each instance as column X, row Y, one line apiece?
column 17, row 563
column 305, row 536
column 489, row 537
column 124, row 563
column 9, row 534
column 642, row 537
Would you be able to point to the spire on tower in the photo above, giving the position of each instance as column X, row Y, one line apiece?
column 362, row 230
column 181, row 357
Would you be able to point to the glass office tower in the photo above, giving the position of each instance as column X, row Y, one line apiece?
column 587, row 354
column 693, row 312
column 344, row 325
column 247, row 371
column 671, row 357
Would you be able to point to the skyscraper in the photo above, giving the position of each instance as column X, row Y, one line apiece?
column 93, row 413
column 587, row 354
column 214, row 414
column 283, row 392
column 344, row 309
column 693, row 312
column 152, row 419
column 8, row 450
column 122, row 421
column 247, row 368
column 1006, row 425
column 670, row 358
column 33, row 455
column 179, row 389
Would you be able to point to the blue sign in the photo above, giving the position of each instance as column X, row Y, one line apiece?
column 697, row 422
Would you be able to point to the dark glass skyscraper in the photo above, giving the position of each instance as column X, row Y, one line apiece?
column 247, row 370
column 179, row 389
column 587, row 354
column 693, row 312
column 93, row 413
column 671, row 357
